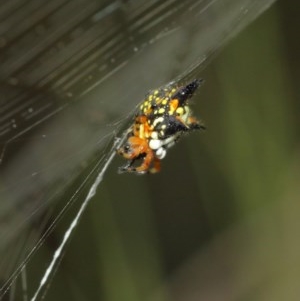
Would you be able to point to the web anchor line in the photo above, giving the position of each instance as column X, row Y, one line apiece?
column 91, row 193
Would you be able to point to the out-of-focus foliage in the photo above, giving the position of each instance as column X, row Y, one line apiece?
column 220, row 222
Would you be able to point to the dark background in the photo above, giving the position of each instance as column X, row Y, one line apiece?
column 221, row 221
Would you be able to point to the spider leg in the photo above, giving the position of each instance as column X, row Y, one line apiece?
column 135, row 149
column 148, row 159
column 194, row 124
column 126, row 167
column 156, row 166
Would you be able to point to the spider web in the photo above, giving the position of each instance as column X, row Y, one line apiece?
column 70, row 83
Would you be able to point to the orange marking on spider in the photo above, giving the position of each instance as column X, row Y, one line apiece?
column 163, row 117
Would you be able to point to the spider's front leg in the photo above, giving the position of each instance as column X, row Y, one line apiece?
column 136, row 148
column 127, row 167
column 147, row 161
column 156, row 165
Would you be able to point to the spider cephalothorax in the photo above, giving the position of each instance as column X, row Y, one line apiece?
column 160, row 121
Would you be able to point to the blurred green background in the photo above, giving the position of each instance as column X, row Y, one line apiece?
column 221, row 221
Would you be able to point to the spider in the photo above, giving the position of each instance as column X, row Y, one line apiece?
column 162, row 118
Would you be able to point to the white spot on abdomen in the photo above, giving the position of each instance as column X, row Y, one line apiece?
column 161, row 153
column 158, row 120
column 155, row 144
column 154, row 135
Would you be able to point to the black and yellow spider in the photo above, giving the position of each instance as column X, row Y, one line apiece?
column 161, row 120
